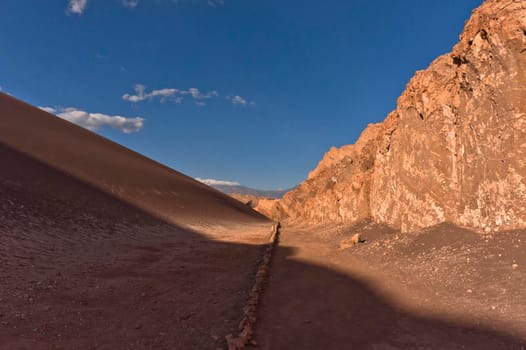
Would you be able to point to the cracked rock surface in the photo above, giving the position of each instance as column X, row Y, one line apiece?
column 454, row 149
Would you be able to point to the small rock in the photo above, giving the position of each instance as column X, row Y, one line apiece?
column 356, row 238
column 469, row 291
column 515, row 266
column 353, row 240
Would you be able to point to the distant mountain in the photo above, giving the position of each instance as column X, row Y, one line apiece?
column 230, row 187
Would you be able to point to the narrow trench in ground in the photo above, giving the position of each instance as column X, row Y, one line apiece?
column 249, row 319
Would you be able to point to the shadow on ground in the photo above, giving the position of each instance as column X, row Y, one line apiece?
column 308, row 306
column 81, row 269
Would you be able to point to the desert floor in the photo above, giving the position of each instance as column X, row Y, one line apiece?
column 82, row 269
column 441, row 288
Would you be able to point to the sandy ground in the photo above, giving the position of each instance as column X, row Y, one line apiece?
column 103, row 248
column 442, row 288
column 81, row 269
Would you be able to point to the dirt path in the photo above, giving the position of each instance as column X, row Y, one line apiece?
column 320, row 297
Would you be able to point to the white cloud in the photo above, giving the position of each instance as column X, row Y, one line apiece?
column 167, row 93
column 198, row 95
column 177, row 96
column 131, row 4
column 48, row 109
column 240, row 101
column 77, row 7
column 213, row 182
column 141, row 94
column 94, row 121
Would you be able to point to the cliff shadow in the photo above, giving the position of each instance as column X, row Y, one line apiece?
column 308, row 306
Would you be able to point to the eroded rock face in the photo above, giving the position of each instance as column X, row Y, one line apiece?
column 338, row 189
column 266, row 206
column 454, row 149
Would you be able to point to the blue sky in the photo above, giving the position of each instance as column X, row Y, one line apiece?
column 251, row 91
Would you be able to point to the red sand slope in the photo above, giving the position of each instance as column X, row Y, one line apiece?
column 96, row 250
column 117, row 170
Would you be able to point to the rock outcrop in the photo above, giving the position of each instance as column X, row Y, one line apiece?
column 266, row 206
column 454, row 150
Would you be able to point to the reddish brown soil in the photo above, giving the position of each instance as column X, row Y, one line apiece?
column 102, row 248
column 444, row 288
column 83, row 270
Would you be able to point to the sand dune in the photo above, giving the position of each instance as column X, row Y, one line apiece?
column 103, row 248
column 114, row 169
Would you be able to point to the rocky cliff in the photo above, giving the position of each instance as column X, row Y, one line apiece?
column 453, row 150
